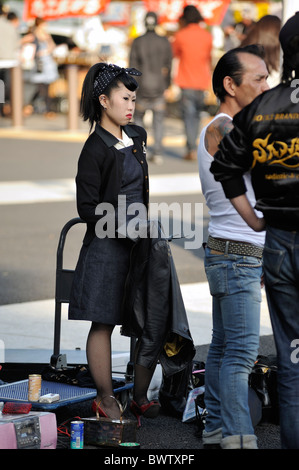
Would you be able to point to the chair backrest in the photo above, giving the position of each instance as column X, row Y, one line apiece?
column 64, row 277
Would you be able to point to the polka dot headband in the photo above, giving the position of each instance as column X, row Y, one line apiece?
column 107, row 73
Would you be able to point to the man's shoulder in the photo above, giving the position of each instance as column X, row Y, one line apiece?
column 194, row 33
column 215, row 131
column 157, row 37
column 198, row 29
column 222, row 123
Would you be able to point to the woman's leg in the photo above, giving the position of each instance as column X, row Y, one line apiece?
column 98, row 350
column 142, row 380
column 140, row 405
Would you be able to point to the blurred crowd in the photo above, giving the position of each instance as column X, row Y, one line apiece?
column 43, row 58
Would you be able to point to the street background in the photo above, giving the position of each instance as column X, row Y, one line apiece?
column 37, row 197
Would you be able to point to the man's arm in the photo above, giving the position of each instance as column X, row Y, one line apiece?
column 227, row 169
column 134, row 55
column 244, row 208
column 167, row 63
column 231, row 161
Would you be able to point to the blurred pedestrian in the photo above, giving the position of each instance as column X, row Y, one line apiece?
column 266, row 33
column 9, row 55
column 230, row 38
column 152, row 55
column 233, row 263
column 243, row 27
column 265, row 141
column 46, row 68
column 14, row 19
column 192, row 46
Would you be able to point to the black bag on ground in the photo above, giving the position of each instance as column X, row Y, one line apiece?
column 198, row 380
column 263, row 380
column 173, row 392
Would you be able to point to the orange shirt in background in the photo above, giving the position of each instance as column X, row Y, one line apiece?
column 192, row 45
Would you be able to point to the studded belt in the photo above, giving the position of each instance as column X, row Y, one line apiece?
column 234, row 248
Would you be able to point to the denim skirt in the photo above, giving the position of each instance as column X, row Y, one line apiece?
column 99, row 281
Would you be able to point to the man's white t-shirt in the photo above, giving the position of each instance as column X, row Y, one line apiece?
column 225, row 222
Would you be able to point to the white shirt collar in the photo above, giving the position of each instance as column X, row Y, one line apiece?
column 125, row 141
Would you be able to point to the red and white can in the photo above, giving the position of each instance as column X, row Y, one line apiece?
column 34, row 387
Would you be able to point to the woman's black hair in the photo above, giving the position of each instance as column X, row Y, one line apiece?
column 90, row 108
column 230, row 65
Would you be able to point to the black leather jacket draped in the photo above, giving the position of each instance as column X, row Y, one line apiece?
column 154, row 310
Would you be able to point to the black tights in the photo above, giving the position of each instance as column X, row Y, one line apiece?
column 98, row 350
column 142, row 379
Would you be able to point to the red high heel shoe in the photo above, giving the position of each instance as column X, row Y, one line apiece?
column 100, row 412
column 96, row 408
column 148, row 410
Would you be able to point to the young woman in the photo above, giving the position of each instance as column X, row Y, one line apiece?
column 112, row 164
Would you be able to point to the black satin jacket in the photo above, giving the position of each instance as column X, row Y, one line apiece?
column 265, row 140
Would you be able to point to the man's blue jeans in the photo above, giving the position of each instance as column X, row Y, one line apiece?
column 235, row 284
column 158, row 107
column 192, row 104
column 281, row 264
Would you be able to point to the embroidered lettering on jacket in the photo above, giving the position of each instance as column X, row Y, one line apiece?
column 276, row 152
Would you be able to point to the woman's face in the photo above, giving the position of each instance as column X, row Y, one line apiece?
column 120, row 106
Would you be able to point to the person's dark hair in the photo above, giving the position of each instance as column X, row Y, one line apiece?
column 290, row 66
column 191, row 15
column 151, row 21
column 266, row 33
column 230, row 65
column 90, row 108
column 38, row 21
column 11, row 15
